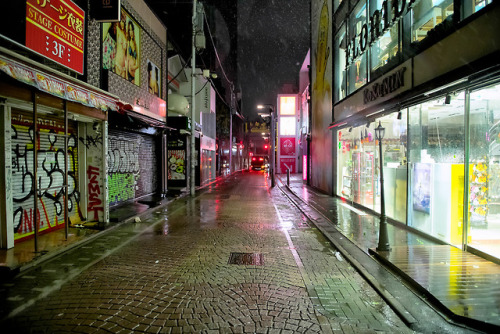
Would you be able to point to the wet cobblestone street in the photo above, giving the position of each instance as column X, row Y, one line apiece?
column 171, row 274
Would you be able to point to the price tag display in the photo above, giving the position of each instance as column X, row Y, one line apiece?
column 55, row 29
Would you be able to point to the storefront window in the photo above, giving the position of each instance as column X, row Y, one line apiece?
column 358, row 68
column 336, row 4
column 385, row 48
column 436, row 167
column 484, row 170
column 359, row 165
column 387, row 45
column 473, row 6
column 340, row 62
column 427, row 14
column 357, row 175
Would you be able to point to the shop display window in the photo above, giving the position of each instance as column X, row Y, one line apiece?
column 386, row 46
column 472, row 6
column 357, row 70
column 436, row 167
column 336, row 4
column 484, row 171
column 427, row 14
column 357, row 74
column 340, row 65
column 358, row 175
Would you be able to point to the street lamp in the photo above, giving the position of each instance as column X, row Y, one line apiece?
column 273, row 139
column 383, row 237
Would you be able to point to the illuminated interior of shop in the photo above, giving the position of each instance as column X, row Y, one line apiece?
column 358, row 167
column 433, row 177
column 484, row 171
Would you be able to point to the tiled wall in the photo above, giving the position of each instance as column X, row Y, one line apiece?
column 151, row 47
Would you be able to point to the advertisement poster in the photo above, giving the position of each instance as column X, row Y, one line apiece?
column 121, row 48
column 422, row 187
column 288, row 163
column 177, row 161
column 55, row 29
column 287, row 146
column 154, row 78
column 176, row 164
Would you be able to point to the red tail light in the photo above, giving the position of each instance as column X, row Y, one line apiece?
column 261, row 159
column 253, row 159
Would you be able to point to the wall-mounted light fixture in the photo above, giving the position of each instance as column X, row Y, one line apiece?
column 447, row 99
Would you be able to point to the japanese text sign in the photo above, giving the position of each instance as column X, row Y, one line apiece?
column 55, row 29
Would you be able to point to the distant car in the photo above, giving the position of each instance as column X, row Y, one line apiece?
column 259, row 162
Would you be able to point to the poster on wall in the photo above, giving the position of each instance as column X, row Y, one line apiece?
column 154, row 78
column 121, row 47
column 287, row 146
column 55, row 29
column 176, row 161
column 422, row 187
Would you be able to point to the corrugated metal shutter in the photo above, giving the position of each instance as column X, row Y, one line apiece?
column 50, row 173
column 132, row 166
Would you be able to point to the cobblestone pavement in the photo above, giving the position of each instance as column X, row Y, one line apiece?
column 171, row 274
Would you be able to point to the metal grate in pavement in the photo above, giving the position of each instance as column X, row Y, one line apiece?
column 256, row 259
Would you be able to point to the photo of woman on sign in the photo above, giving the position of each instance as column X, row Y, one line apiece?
column 153, row 78
column 132, row 53
column 121, row 48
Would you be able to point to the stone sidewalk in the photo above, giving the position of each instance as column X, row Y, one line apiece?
column 171, row 273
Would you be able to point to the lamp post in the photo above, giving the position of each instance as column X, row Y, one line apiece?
column 273, row 139
column 383, row 237
column 192, row 180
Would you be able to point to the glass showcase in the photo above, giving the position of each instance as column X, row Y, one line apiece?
column 427, row 154
column 358, row 174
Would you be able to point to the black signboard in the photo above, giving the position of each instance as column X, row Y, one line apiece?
column 105, row 10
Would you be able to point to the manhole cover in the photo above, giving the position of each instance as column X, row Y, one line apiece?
column 255, row 259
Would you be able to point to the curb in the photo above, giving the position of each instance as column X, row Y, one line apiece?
column 386, row 295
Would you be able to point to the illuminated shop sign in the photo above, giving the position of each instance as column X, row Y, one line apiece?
column 389, row 84
column 287, row 105
column 381, row 21
column 55, row 29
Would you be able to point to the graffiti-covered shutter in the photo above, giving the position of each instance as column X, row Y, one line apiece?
column 50, row 173
column 132, row 166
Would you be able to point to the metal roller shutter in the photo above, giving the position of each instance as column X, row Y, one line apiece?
column 50, row 173
column 132, row 166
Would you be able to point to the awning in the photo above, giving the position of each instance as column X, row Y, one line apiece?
column 56, row 85
column 126, row 116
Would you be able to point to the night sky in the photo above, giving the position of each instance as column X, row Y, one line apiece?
column 273, row 39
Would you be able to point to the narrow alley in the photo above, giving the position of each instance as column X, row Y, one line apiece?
column 237, row 258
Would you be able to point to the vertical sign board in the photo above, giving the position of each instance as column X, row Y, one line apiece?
column 287, row 149
column 55, row 29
